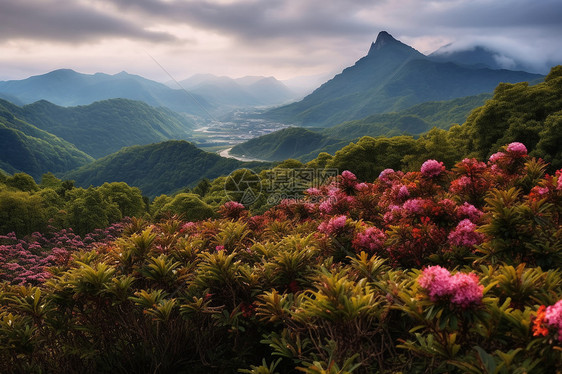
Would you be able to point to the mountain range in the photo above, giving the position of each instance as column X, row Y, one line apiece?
column 66, row 87
column 391, row 77
column 202, row 95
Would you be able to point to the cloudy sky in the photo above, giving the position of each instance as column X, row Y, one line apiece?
column 281, row 38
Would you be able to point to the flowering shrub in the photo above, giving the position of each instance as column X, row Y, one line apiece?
column 460, row 289
column 371, row 240
column 26, row 261
column 432, row 168
column 549, row 318
column 232, row 209
column 426, row 271
column 465, row 234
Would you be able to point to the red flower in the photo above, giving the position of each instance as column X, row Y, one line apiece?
column 538, row 326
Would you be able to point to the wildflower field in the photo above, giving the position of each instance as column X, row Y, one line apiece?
column 432, row 271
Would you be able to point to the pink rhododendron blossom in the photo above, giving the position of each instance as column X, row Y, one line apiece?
column 403, row 193
column 496, row 156
column 469, row 211
column 383, row 176
column 361, row 187
column 553, row 317
column 517, row 148
column 348, row 176
column 313, row 191
column 460, row 289
column 436, row 280
column 559, row 180
column 326, row 206
column 465, row 234
column 338, row 222
column 334, row 225
column 432, row 168
column 466, row 290
column 414, row 206
column 371, row 239
column 463, row 182
column 188, row 226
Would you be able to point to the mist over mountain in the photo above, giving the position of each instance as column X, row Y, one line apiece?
column 66, row 87
column 239, row 92
column 391, row 77
column 480, row 56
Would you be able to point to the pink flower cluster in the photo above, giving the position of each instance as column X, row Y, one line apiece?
column 25, row 261
column 333, row 226
column 553, row 317
column 432, row 168
column 517, row 148
column 470, row 212
column 415, row 206
column 465, row 234
column 384, row 175
column 460, row 289
column 370, row 240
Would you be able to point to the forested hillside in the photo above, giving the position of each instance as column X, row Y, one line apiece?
column 26, row 148
column 161, row 168
column 105, row 127
column 287, row 143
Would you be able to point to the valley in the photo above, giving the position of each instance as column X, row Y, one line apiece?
column 234, row 128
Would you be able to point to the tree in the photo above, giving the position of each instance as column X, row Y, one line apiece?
column 187, row 205
column 21, row 212
column 90, row 211
column 48, row 180
column 369, row 156
column 22, row 182
column 128, row 199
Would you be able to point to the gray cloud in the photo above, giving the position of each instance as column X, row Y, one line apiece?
column 62, row 21
column 258, row 20
column 309, row 34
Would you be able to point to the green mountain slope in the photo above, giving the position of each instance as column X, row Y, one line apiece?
column 393, row 76
column 106, row 126
column 415, row 120
column 284, row 144
column 26, row 148
column 161, row 168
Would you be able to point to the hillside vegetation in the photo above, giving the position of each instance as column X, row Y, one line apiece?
column 433, row 270
column 156, row 169
column 107, row 126
column 26, row 148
